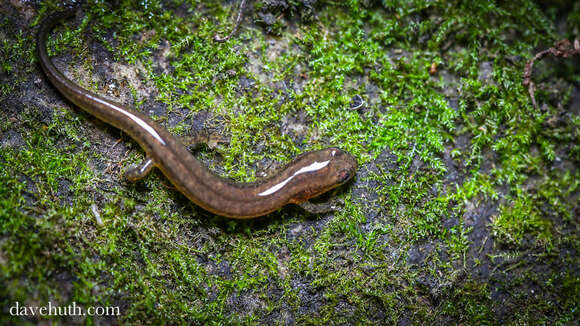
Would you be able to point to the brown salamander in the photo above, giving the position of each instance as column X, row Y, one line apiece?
column 309, row 175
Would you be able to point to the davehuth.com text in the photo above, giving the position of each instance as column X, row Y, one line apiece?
column 70, row 310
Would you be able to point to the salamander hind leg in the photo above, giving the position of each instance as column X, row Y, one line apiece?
column 198, row 139
column 137, row 172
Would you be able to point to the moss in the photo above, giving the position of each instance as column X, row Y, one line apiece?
column 464, row 202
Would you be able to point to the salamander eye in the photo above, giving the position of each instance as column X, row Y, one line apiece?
column 343, row 175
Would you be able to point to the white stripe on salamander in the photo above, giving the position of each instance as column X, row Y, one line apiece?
column 310, row 168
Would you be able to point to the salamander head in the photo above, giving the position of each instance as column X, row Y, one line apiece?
column 321, row 171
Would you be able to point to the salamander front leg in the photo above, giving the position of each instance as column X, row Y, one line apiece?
column 137, row 172
column 321, row 208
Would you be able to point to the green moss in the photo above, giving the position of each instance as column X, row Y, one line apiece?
column 438, row 153
column 15, row 56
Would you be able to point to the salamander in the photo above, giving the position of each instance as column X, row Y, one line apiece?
column 307, row 176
